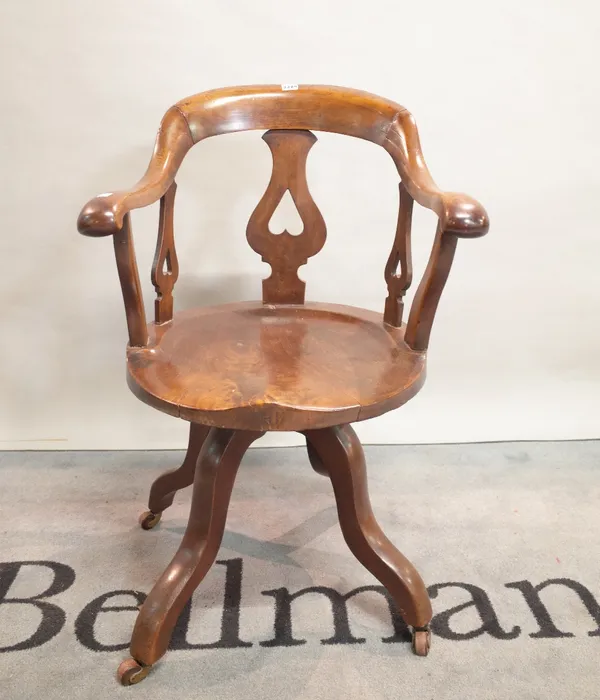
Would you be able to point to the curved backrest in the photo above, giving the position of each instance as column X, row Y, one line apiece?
column 288, row 113
column 315, row 107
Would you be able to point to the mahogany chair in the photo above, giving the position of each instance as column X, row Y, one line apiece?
column 238, row 370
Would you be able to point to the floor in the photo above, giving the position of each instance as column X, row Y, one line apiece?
column 506, row 535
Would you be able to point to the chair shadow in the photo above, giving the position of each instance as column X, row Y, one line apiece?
column 279, row 550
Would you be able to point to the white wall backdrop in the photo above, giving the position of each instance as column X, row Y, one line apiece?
column 506, row 98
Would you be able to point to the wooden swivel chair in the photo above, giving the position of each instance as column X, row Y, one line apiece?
column 238, row 370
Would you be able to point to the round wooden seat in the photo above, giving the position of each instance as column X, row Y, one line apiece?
column 257, row 366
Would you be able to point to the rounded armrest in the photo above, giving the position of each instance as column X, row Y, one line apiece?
column 462, row 216
column 103, row 215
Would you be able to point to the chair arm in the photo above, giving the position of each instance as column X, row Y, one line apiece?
column 459, row 214
column 104, row 215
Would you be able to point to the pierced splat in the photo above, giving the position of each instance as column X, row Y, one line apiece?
column 287, row 214
column 400, row 254
column 284, row 252
column 165, row 267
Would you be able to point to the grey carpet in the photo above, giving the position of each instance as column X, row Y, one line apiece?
column 495, row 520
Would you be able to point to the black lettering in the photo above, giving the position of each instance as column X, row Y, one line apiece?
column 548, row 629
column 86, row 620
column 53, row 617
column 230, row 620
column 283, row 634
column 440, row 624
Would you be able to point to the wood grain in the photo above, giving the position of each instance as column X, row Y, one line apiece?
column 165, row 267
column 265, row 367
column 214, row 477
column 400, row 255
column 424, row 306
column 340, row 454
column 286, row 253
column 165, row 487
column 313, row 107
column 130, row 285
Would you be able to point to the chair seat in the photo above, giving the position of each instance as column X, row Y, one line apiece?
column 254, row 366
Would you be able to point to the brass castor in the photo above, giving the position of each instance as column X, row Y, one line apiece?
column 131, row 672
column 421, row 641
column 148, row 520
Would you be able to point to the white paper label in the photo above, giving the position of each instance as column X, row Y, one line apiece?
column 289, row 86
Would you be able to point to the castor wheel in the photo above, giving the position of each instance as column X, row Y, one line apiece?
column 148, row 520
column 131, row 672
column 421, row 641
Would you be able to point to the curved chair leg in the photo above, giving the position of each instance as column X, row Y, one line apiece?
column 164, row 488
column 314, row 459
column 215, row 474
column 341, row 455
